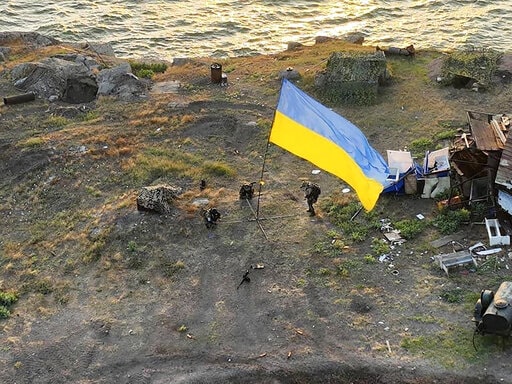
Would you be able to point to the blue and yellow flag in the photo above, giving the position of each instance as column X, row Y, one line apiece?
column 313, row 132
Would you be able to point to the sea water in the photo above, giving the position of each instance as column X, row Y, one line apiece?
column 189, row 28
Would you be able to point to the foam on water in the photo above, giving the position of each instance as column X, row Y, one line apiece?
column 181, row 28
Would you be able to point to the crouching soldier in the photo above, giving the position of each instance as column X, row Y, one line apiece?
column 247, row 191
column 210, row 217
column 311, row 193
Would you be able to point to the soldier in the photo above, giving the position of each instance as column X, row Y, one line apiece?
column 210, row 217
column 247, row 191
column 311, row 193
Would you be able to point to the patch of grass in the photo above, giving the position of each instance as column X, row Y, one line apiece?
column 154, row 163
column 147, row 70
column 56, row 122
column 218, row 169
column 452, row 296
column 89, row 116
column 410, row 228
column 4, row 312
column 379, row 246
column 369, row 259
column 451, row 348
column 31, row 142
column 446, row 135
column 182, row 328
column 7, row 299
column 43, row 286
column 341, row 209
column 171, row 268
column 448, row 221
column 94, row 251
column 420, row 146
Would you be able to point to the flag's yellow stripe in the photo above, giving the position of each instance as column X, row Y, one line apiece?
column 325, row 154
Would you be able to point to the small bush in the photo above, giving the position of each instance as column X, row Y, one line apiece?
column 419, row 146
column 4, row 312
column 8, row 298
column 147, row 70
column 409, row 229
column 370, row 259
column 448, row 221
column 452, row 296
column 379, row 246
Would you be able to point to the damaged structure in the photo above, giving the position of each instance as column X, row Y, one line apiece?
column 476, row 158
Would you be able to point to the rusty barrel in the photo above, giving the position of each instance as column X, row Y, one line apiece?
column 216, row 73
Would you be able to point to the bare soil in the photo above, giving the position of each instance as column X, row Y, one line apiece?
column 109, row 294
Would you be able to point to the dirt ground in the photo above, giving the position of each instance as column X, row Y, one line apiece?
column 109, row 294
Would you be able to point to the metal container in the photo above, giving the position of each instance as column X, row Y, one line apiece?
column 216, row 73
column 493, row 312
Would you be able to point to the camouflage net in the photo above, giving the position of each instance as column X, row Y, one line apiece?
column 479, row 65
column 352, row 77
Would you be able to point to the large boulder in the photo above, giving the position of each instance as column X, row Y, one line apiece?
column 121, row 82
column 157, row 198
column 353, row 77
column 56, row 78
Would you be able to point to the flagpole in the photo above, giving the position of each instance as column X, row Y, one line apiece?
column 265, row 156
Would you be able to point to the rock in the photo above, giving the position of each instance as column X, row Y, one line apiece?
column 88, row 61
column 157, row 198
column 99, row 48
column 289, row 74
column 69, row 81
column 503, row 72
column 120, row 81
column 180, row 61
column 354, row 38
column 293, row 45
column 32, row 39
column 323, row 39
column 4, row 53
column 80, row 90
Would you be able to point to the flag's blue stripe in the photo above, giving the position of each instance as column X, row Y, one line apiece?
column 309, row 113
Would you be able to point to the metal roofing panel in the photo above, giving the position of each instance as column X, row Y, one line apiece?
column 504, row 173
column 482, row 131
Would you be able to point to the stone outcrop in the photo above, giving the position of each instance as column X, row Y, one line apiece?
column 30, row 39
column 56, row 78
column 157, row 198
column 121, row 82
column 76, row 78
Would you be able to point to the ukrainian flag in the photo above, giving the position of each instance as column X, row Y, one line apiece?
column 313, row 132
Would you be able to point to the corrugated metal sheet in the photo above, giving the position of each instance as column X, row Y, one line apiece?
column 505, row 201
column 486, row 138
column 504, row 173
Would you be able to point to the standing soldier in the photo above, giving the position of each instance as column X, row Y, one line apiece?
column 311, row 193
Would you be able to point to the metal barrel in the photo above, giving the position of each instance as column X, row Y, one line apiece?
column 18, row 99
column 216, row 73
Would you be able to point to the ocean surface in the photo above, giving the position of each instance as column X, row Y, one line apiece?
column 168, row 29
